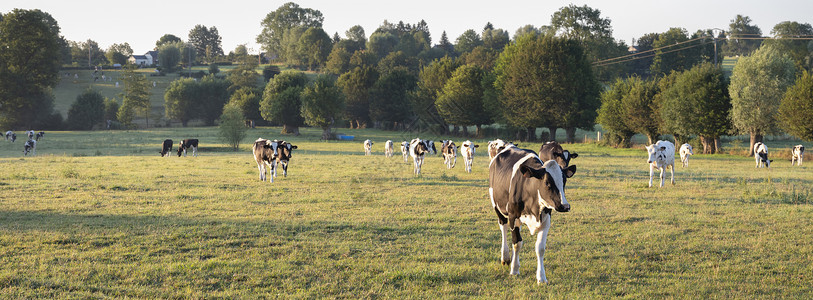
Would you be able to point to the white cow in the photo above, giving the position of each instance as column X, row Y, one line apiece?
column 685, row 152
column 661, row 156
column 405, row 150
column 761, row 155
column 797, row 155
column 417, row 149
column 368, row 147
column 467, row 151
column 388, row 148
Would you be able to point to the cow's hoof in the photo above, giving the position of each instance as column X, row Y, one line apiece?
column 505, row 263
column 542, row 282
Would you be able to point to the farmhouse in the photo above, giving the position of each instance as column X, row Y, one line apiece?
column 148, row 59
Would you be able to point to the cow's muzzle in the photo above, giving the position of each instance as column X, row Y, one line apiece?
column 563, row 208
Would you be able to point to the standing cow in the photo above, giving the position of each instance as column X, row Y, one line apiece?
column 524, row 190
column 30, row 146
column 166, row 148
column 186, row 144
column 405, row 150
column 11, row 136
column 467, row 151
column 417, row 149
column 284, row 153
column 40, row 135
column 685, row 152
column 388, row 149
column 449, row 151
column 553, row 151
column 661, row 156
column 797, row 155
column 495, row 147
column 368, row 147
column 761, row 155
column 265, row 154
column 430, row 147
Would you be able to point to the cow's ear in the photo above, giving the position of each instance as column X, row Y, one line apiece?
column 570, row 171
column 293, row 147
column 663, row 148
column 475, row 146
column 574, row 155
column 529, row 172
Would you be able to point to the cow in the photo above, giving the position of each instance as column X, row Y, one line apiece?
column 524, row 190
column 797, row 155
column 467, row 151
column 30, row 134
column 368, row 147
column 430, row 147
column 166, row 148
column 405, row 150
column 186, row 144
column 553, row 151
column 39, row 135
column 686, row 150
column 388, row 148
column 661, row 156
column 284, row 152
column 265, row 154
column 449, row 151
column 761, row 155
column 417, row 149
column 495, row 147
column 11, row 136
column 30, row 146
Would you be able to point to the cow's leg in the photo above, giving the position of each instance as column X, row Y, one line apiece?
column 651, row 172
column 541, row 241
column 505, row 252
column 516, row 240
column 663, row 175
column 454, row 163
column 285, row 169
column 756, row 158
column 672, row 169
column 273, row 171
column 195, row 151
column 261, row 167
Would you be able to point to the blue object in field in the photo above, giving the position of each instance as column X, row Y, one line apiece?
column 345, row 137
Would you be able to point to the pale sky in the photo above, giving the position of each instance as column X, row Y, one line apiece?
column 141, row 23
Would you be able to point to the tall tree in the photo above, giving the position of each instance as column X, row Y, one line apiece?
column 641, row 110
column 338, row 62
column 613, row 115
column 356, row 85
column 212, row 96
column 29, row 64
column 136, row 96
column 277, row 23
column 179, row 100
column 467, row 41
column 322, row 104
column 796, row 109
column 742, row 37
column 757, row 85
column 248, row 100
column 118, row 53
column 207, row 42
column 389, row 98
column 495, row 39
column 793, row 38
column 231, row 128
column 445, row 44
column 170, row 55
column 167, row 39
column 697, row 103
column 87, row 110
column 431, row 81
column 382, row 43
column 282, row 101
column 527, row 29
column 667, row 58
column 462, row 99
column 314, row 47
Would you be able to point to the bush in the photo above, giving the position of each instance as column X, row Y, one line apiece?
column 232, row 126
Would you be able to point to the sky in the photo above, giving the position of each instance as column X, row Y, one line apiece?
column 238, row 22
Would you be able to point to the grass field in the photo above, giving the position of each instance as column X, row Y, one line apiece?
column 100, row 214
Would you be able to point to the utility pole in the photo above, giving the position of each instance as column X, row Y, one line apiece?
column 714, row 33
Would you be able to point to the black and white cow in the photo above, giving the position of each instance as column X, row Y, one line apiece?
column 11, row 136
column 553, row 151
column 430, row 147
column 524, row 190
column 417, row 149
column 166, row 148
column 661, row 156
column 40, row 135
column 686, row 150
column 495, row 147
column 449, row 151
column 265, row 154
column 467, row 151
column 30, row 146
column 388, row 148
column 284, row 152
column 405, row 150
column 761, row 155
column 368, row 147
column 30, row 134
column 186, row 144
column 797, row 155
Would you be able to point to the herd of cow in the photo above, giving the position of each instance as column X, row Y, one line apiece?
column 30, row 145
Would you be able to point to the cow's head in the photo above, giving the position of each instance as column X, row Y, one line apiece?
column 655, row 152
column 420, row 147
column 550, row 184
column 285, row 149
column 429, row 146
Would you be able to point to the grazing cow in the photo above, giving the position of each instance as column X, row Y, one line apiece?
column 405, row 150
column 265, row 154
column 524, row 190
column 166, row 148
column 661, row 156
column 388, row 148
column 430, row 147
column 30, row 134
column 284, row 152
column 368, row 147
column 467, row 151
column 417, row 149
column 553, row 151
column 797, row 155
column 685, row 152
column 496, row 146
column 11, row 136
column 761, row 155
column 30, row 146
column 449, row 151
column 40, row 135
column 186, row 144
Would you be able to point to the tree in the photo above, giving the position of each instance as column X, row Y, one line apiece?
column 467, row 41
column 136, row 96
column 322, row 104
column 248, row 100
column 207, row 42
column 167, row 39
column 792, row 38
column 481, row 56
column 87, row 110
column 742, row 37
column 213, row 94
column 282, row 101
column 231, row 128
column 495, row 39
column 88, row 53
column 462, row 100
column 382, row 43
column 431, row 81
column 398, row 59
column 643, row 58
column 170, row 54
column 641, row 110
column 796, row 108
column 698, row 104
column 29, row 65
column 111, row 108
column 277, row 23
column 445, row 44
column 527, row 29
column 118, row 53
column 356, row 35
column 757, row 85
column 665, row 59
column 179, row 100
column 314, row 47
column 356, row 85
column 244, row 75
column 338, row 62
column 613, row 116
column 389, row 98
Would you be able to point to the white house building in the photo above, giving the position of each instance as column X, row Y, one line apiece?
column 148, row 59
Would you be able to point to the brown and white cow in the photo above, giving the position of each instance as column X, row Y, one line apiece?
column 284, row 152
column 467, row 151
column 797, row 155
column 553, row 151
column 265, row 154
column 524, row 190
column 417, row 149
column 166, row 148
column 187, row 144
column 449, row 151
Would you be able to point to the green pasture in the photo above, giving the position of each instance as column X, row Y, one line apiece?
column 100, row 215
